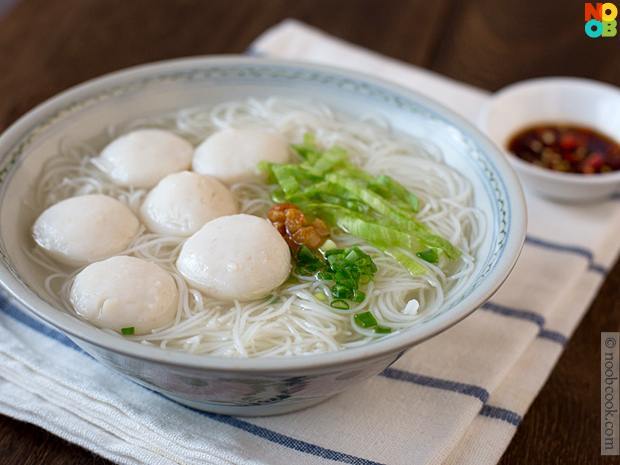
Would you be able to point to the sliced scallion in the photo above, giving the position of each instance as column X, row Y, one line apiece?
column 429, row 255
column 327, row 246
column 365, row 320
column 340, row 304
column 382, row 329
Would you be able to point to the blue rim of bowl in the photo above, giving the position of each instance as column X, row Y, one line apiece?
column 500, row 177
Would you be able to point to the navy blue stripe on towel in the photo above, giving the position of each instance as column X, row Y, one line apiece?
column 528, row 316
column 515, row 313
column 438, row 383
column 33, row 323
column 568, row 249
column 500, row 414
column 287, row 441
column 553, row 336
column 468, row 389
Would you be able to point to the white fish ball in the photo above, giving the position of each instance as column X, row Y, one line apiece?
column 232, row 155
column 124, row 292
column 144, row 157
column 81, row 229
column 183, row 202
column 239, row 257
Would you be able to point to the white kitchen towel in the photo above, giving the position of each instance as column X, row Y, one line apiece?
column 457, row 398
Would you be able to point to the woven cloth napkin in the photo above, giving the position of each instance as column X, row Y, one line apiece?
column 457, row 398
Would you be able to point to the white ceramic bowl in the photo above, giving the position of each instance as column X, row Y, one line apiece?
column 248, row 386
column 581, row 102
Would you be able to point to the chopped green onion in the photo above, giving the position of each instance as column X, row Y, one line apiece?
column 429, row 255
column 334, row 252
column 347, row 268
column 365, row 320
column 353, row 255
column 306, row 271
column 340, row 263
column 354, row 272
column 341, row 304
column 327, row 246
column 320, row 296
column 307, row 262
column 342, row 292
column 128, row 331
column 332, row 258
column 382, row 329
column 325, row 276
column 305, row 254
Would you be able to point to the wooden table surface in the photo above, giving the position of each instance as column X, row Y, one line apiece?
column 47, row 46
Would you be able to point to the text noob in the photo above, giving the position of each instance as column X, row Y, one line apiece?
column 601, row 21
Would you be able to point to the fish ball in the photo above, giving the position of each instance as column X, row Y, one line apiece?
column 239, row 257
column 144, row 157
column 183, row 202
column 124, row 292
column 232, row 155
column 81, row 229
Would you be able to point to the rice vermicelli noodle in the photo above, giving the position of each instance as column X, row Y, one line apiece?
column 294, row 319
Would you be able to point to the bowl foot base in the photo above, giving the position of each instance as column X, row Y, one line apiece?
column 250, row 410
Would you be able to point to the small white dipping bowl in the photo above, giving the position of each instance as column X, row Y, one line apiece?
column 564, row 100
column 233, row 385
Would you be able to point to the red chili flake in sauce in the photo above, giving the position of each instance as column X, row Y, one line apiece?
column 571, row 149
column 291, row 224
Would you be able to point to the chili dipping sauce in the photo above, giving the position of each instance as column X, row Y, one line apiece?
column 571, row 149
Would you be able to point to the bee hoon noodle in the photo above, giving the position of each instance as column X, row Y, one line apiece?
column 292, row 320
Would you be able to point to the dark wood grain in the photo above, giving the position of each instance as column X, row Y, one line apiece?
column 25, row 444
column 47, row 46
column 491, row 44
